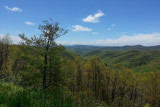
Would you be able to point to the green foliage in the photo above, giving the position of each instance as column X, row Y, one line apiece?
column 147, row 105
column 46, row 52
column 139, row 61
column 105, row 77
column 13, row 96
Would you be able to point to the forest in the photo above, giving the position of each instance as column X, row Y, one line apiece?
column 38, row 72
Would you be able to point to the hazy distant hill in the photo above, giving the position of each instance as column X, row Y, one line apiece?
column 83, row 48
column 86, row 48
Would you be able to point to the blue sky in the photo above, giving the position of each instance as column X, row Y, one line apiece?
column 90, row 22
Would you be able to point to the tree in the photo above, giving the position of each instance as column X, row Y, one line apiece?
column 95, row 69
column 79, row 72
column 152, row 88
column 44, row 44
column 4, row 53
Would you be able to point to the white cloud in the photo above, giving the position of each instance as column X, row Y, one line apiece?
column 15, row 39
column 109, row 29
column 94, row 33
column 30, row 23
column 80, row 28
column 93, row 18
column 139, row 39
column 113, row 25
column 14, row 9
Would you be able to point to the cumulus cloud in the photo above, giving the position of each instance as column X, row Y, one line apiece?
column 14, row 9
column 14, row 39
column 80, row 28
column 30, row 23
column 93, row 18
column 94, row 33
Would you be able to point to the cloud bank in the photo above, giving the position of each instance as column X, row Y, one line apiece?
column 139, row 39
column 93, row 18
column 14, row 39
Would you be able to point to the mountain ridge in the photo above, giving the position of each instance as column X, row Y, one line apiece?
column 86, row 48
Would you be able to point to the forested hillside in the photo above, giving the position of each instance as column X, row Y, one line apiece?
column 81, row 49
column 138, row 58
column 39, row 73
column 139, row 61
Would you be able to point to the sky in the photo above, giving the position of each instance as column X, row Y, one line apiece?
column 90, row 22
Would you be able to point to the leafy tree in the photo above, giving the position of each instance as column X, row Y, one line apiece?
column 44, row 45
column 152, row 88
column 5, row 41
column 79, row 72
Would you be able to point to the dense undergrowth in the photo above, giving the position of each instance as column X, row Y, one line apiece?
column 14, row 96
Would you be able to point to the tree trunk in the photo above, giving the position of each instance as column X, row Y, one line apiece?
column 45, row 69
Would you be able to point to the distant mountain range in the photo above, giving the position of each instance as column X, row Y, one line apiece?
column 138, row 58
column 86, row 48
